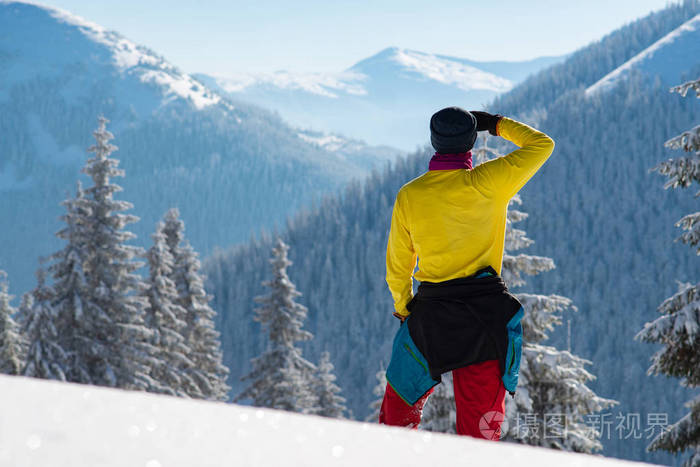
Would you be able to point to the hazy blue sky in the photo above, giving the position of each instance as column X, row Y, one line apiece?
column 326, row 35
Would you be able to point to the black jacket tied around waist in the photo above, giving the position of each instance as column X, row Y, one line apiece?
column 467, row 320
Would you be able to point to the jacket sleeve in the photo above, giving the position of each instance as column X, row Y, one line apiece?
column 505, row 176
column 400, row 257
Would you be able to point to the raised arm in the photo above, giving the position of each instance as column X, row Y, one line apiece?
column 400, row 258
column 505, row 176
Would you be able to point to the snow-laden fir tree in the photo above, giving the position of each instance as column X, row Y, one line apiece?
column 329, row 401
column 45, row 356
column 11, row 341
column 552, row 399
column 678, row 327
column 201, row 337
column 108, row 341
column 439, row 413
column 25, row 309
column 166, row 320
column 378, row 391
column 70, row 287
column 281, row 378
column 552, row 386
column 677, row 330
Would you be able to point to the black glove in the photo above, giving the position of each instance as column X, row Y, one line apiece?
column 486, row 121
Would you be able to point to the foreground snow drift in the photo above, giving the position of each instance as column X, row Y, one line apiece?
column 46, row 423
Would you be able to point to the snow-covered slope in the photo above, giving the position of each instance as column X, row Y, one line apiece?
column 396, row 64
column 322, row 84
column 22, row 58
column 61, row 424
column 667, row 58
column 384, row 99
column 351, row 149
column 181, row 143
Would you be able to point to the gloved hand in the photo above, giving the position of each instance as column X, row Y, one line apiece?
column 401, row 317
column 486, row 121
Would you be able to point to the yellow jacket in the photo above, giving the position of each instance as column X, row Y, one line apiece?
column 454, row 221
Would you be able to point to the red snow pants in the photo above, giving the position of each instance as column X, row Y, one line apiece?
column 479, row 397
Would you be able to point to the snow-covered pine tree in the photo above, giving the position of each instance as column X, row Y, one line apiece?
column 281, row 378
column 45, row 356
column 439, row 413
column 553, row 383
column 166, row 320
column 110, row 346
column 11, row 345
column 69, row 286
column 683, row 171
column 330, row 403
column 378, row 391
column 678, row 327
column 201, row 336
column 23, row 312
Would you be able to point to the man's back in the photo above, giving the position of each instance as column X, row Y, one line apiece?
column 453, row 221
column 455, row 228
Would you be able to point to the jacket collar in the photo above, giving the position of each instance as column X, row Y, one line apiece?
column 451, row 161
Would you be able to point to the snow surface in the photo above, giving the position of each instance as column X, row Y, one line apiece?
column 62, row 424
column 668, row 57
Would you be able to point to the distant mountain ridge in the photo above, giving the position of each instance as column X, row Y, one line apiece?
column 503, row 74
column 384, row 99
column 22, row 58
column 231, row 168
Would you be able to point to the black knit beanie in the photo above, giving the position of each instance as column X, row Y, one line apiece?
column 452, row 130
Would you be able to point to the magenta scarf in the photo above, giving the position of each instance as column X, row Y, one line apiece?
column 462, row 160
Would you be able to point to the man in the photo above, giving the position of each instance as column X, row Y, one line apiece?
column 452, row 219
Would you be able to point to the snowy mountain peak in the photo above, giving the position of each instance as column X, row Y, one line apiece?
column 392, row 63
column 383, row 99
column 31, row 24
column 450, row 72
column 446, row 70
column 668, row 58
column 321, row 84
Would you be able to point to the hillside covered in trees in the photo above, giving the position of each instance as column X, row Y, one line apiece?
column 229, row 167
